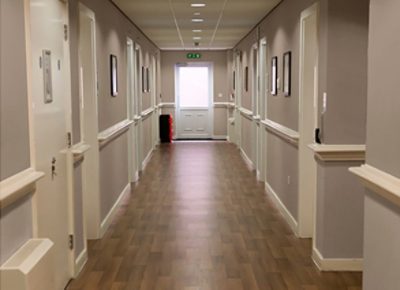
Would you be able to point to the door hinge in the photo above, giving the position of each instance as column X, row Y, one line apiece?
column 69, row 139
column 71, row 242
column 65, row 32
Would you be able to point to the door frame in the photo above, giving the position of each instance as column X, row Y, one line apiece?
column 257, row 133
column 210, row 66
column 263, row 103
column 89, row 119
column 131, row 75
column 307, row 200
column 138, row 63
column 238, row 98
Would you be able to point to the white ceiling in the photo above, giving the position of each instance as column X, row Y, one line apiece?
column 168, row 23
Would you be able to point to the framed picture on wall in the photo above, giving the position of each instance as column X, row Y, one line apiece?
column 148, row 80
column 274, row 76
column 287, row 73
column 143, row 79
column 246, row 78
column 234, row 80
column 114, row 75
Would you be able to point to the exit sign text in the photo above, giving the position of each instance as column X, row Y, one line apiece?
column 193, row 55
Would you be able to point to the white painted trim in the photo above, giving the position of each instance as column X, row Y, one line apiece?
column 257, row 118
column 247, row 159
column 281, row 131
column 147, row 113
column 380, row 182
column 31, row 264
column 231, row 121
column 324, row 264
column 105, row 224
column 147, row 160
column 291, row 221
column 78, row 151
column 246, row 113
column 340, row 152
column 17, row 186
column 80, row 262
column 221, row 105
column 167, row 105
column 219, row 137
column 114, row 131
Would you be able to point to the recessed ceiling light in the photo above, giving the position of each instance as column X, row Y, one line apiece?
column 198, row 5
column 196, row 38
column 197, row 30
column 197, row 20
column 196, row 13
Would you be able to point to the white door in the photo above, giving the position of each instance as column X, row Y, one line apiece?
column 194, row 94
column 50, row 96
column 308, row 119
column 89, row 120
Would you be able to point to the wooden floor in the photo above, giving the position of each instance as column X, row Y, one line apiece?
column 198, row 219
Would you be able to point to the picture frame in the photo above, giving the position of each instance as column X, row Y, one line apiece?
column 114, row 75
column 274, row 76
column 143, row 80
column 246, row 79
column 147, row 80
column 287, row 73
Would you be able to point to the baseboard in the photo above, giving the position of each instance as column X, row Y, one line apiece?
column 80, row 262
column 147, row 160
column 282, row 208
column 323, row 264
column 110, row 216
column 247, row 159
column 219, row 137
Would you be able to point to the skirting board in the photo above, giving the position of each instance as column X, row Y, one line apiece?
column 109, row 218
column 247, row 159
column 147, row 160
column 352, row 265
column 219, row 137
column 80, row 262
column 282, row 208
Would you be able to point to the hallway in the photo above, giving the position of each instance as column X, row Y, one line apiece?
column 198, row 220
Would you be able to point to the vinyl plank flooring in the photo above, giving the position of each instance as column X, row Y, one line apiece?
column 199, row 220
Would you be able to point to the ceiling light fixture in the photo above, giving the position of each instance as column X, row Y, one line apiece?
column 196, row 14
column 197, row 30
column 197, row 20
column 198, row 5
column 196, row 38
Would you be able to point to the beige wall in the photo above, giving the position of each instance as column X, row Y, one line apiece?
column 147, row 136
column 383, row 88
column 14, row 140
column 220, row 122
column 340, row 211
column 282, row 172
column 246, row 134
column 16, row 219
column 343, row 70
column 382, row 218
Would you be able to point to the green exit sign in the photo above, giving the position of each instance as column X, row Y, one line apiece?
column 193, row 55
